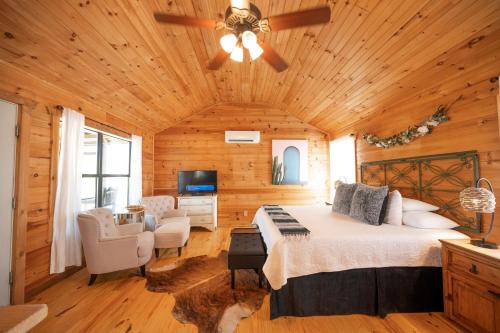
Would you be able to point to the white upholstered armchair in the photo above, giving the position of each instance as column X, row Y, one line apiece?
column 109, row 247
column 171, row 226
column 160, row 210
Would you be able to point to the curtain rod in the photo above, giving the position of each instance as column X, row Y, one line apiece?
column 61, row 108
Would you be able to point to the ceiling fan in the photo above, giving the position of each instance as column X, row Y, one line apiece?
column 244, row 21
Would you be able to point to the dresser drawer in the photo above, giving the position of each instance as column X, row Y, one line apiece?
column 197, row 210
column 195, row 201
column 472, row 267
column 201, row 219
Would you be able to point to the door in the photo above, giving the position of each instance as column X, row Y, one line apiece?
column 8, row 121
column 475, row 306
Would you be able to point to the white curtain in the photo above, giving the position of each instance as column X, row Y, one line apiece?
column 342, row 161
column 135, row 182
column 66, row 243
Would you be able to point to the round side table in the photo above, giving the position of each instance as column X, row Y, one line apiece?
column 125, row 215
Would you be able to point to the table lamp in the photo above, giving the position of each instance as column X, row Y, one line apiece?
column 480, row 200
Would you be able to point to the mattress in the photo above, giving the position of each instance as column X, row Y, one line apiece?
column 338, row 242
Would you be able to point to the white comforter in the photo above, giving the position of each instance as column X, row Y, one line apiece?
column 338, row 242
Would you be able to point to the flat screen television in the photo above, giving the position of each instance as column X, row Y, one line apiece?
column 197, row 182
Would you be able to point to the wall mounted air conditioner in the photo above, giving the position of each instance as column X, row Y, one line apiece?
column 242, row 136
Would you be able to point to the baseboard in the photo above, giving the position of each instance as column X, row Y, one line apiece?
column 34, row 289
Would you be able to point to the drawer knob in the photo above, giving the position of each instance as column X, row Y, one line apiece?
column 497, row 295
column 473, row 269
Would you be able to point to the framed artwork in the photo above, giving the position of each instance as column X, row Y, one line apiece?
column 290, row 162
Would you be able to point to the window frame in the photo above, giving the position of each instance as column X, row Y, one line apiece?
column 99, row 176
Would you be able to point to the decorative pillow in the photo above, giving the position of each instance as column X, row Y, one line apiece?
column 417, row 205
column 367, row 203
column 394, row 212
column 427, row 220
column 343, row 198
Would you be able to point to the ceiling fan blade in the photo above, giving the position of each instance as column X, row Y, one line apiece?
column 185, row 20
column 300, row 19
column 273, row 58
column 219, row 59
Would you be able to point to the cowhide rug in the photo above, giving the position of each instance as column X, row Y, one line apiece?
column 202, row 290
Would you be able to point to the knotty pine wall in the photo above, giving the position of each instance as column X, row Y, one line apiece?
column 42, row 177
column 473, row 125
column 468, row 74
column 244, row 170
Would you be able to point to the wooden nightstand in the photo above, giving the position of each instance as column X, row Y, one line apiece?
column 471, row 285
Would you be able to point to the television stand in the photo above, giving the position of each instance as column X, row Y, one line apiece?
column 201, row 209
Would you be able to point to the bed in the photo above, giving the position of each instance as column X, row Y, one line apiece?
column 348, row 267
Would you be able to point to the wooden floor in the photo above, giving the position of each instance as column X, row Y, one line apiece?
column 119, row 302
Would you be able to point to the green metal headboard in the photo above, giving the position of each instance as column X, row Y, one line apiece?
column 437, row 179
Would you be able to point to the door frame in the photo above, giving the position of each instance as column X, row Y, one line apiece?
column 20, row 212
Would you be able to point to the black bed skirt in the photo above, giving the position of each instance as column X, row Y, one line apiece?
column 371, row 291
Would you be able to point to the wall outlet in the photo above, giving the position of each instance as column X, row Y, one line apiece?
column 245, row 213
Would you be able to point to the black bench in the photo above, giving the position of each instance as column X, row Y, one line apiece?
column 247, row 251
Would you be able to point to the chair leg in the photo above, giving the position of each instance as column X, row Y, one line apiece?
column 179, row 250
column 185, row 244
column 232, row 279
column 143, row 270
column 260, row 278
column 157, row 252
column 92, row 279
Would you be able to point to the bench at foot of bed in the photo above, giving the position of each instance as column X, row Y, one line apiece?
column 246, row 251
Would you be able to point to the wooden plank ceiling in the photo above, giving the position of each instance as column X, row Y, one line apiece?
column 114, row 54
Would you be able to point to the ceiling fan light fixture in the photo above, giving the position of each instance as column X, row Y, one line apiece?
column 240, row 8
column 248, row 38
column 237, row 54
column 255, row 51
column 228, row 42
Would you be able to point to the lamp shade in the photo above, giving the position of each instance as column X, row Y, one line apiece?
column 228, row 42
column 248, row 39
column 478, row 199
column 237, row 54
column 255, row 51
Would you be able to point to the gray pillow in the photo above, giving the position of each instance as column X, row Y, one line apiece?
column 343, row 198
column 367, row 203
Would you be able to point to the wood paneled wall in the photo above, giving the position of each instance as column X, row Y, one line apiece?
column 43, row 162
column 473, row 125
column 244, row 170
column 468, row 74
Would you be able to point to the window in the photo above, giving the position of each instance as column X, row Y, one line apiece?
column 342, row 161
column 106, row 170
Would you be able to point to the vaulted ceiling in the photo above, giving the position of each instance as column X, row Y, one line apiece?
column 112, row 52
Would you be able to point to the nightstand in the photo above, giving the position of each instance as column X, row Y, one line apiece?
column 471, row 285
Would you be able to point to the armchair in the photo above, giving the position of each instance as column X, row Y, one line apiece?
column 160, row 210
column 109, row 247
column 171, row 226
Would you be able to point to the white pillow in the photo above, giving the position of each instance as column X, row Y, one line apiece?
column 413, row 204
column 394, row 212
column 427, row 220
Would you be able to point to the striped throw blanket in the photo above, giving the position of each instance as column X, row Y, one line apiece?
column 288, row 226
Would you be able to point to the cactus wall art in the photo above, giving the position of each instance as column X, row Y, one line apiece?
column 289, row 162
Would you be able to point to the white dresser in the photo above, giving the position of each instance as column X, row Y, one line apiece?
column 202, row 210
